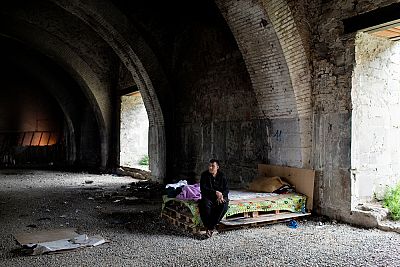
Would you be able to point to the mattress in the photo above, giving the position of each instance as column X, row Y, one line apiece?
column 245, row 201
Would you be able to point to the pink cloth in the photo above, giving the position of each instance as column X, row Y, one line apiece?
column 190, row 192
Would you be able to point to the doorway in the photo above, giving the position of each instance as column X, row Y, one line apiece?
column 134, row 132
column 375, row 151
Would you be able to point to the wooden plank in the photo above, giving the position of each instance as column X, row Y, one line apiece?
column 261, row 219
column 301, row 179
column 40, row 139
column 22, row 140
column 30, row 143
column 255, row 214
column 384, row 26
column 44, row 139
column 387, row 34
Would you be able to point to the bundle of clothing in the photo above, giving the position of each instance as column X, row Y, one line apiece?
column 183, row 191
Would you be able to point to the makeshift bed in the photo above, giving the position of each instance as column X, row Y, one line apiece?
column 251, row 208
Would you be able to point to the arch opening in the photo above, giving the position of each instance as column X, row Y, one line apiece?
column 134, row 132
column 33, row 128
column 375, row 146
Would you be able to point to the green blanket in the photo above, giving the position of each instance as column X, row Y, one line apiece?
column 293, row 202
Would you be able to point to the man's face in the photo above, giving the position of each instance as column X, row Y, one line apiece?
column 213, row 168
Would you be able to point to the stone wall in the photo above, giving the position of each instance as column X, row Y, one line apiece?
column 375, row 116
column 333, row 61
column 217, row 111
column 276, row 59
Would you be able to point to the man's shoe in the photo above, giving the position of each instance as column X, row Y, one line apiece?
column 209, row 233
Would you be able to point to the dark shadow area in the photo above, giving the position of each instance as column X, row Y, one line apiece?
column 372, row 18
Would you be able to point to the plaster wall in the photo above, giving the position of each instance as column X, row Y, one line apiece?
column 375, row 117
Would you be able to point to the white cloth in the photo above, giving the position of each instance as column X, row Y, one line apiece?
column 178, row 184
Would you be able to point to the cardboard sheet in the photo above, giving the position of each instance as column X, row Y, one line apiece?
column 56, row 240
column 301, row 179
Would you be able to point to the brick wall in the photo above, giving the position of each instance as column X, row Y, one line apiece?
column 277, row 62
column 217, row 111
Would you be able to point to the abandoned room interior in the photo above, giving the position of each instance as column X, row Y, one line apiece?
column 99, row 97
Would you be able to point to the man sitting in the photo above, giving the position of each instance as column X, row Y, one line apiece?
column 214, row 201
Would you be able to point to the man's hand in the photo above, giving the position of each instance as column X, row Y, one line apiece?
column 220, row 197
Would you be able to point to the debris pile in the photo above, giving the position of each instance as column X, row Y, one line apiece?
column 146, row 190
column 135, row 173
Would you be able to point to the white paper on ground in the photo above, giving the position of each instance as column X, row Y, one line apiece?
column 73, row 241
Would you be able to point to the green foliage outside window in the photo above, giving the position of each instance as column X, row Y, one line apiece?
column 144, row 160
column 391, row 201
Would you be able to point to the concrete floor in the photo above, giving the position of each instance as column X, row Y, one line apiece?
column 138, row 237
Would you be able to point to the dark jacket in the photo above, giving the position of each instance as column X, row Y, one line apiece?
column 209, row 184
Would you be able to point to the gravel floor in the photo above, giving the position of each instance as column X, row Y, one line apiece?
column 138, row 237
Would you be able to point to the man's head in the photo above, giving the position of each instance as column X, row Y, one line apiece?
column 213, row 166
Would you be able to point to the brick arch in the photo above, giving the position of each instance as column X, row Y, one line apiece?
column 57, row 89
column 294, row 52
column 272, row 49
column 127, row 43
column 73, row 64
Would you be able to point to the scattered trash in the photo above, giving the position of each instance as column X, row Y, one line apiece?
column 90, row 198
column 47, row 210
column 146, row 190
column 62, row 216
column 55, row 240
column 293, row 224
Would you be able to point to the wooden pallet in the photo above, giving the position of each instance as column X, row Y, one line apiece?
column 261, row 220
column 253, row 214
column 182, row 216
column 181, row 221
column 178, row 214
column 244, row 220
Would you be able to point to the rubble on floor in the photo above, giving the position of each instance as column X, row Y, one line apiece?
column 135, row 173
